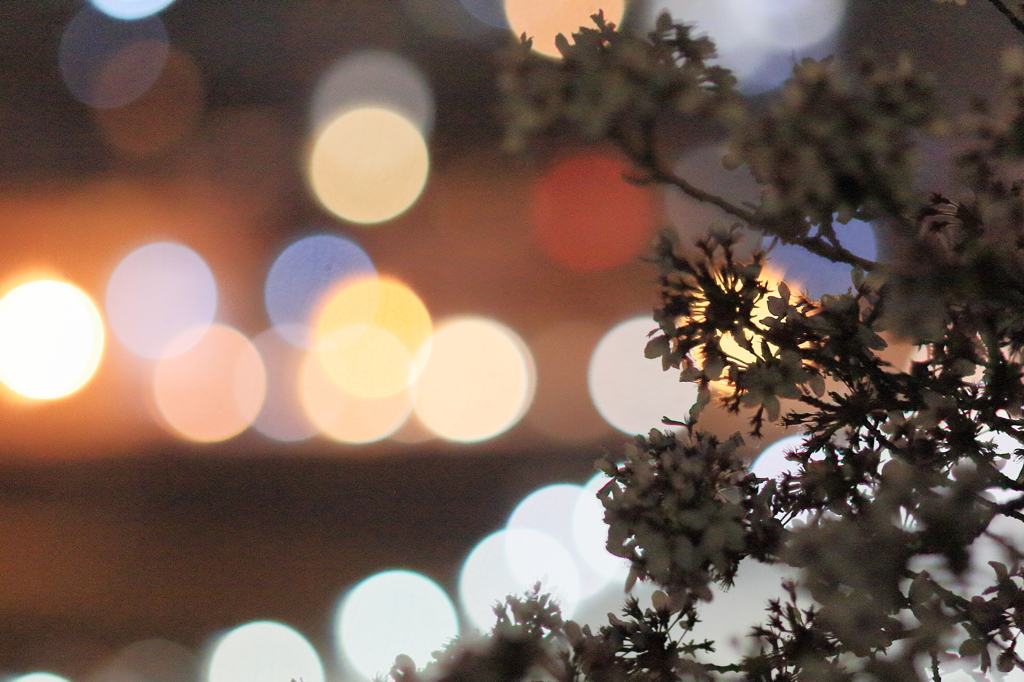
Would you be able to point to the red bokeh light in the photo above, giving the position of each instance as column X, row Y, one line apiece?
column 587, row 216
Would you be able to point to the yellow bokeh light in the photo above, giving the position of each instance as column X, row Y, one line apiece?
column 370, row 337
column 369, row 165
column 214, row 390
column 51, row 339
column 544, row 19
column 478, row 381
column 345, row 417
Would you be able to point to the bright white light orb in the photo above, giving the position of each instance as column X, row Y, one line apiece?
column 552, row 510
column 631, row 392
column 38, row 677
column 392, row 613
column 51, row 339
column 130, row 9
column 264, row 651
column 510, row 562
column 772, row 462
column 590, row 533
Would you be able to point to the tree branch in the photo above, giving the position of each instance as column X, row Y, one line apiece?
column 1009, row 14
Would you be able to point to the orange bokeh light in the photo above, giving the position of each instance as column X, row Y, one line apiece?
column 587, row 217
column 544, row 19
column 370, row 337
column 214, row 390
column 346, row 417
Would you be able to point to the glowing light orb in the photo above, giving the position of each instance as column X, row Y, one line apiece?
column 344, row 416
column 490, row 12
column 511, row 561
column 161, row 299
column 631, row 392
column 760, row 40
column 130, row 9
column 369, row 336
column 374, row 78
column 772, row 462
column 300, row 277
column 214, row 390
column 263, row 651
column 590, row 533
column 478, row 382
column 544, row 19
column 51, row 339
column 392, row 613
column 551, row 510
column 281, row 417
column 38, row 677
column 369, row 165
column 162, row 116
column 106, row 62
column 587, row 217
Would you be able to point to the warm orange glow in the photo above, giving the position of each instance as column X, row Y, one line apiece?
column 544, row 19
column 164, row 115
column 51, row 339
column 587, row 217
column 478, row 381
column 343, row 416
column 214, row 390
column 369, row 165
column 369, row 337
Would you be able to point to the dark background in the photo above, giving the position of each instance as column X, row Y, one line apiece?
column 110, row 530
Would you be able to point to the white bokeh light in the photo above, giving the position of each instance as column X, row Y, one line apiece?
column 510, row 562
column 760, row 40
column 263, row 651
column 392, row 613
column 552, row 510
column 130, row 9
column 590, row 532
column 161, row 299
column 37, row 677
column 772, row 462
column 631, row 392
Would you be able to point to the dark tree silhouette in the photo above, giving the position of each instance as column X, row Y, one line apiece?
column 901, row 471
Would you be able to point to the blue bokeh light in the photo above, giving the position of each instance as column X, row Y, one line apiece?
column 816, row 275
column 130, row 9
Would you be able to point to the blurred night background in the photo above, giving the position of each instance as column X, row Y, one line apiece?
column 322, row 181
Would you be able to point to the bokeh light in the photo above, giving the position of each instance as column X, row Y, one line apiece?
column 772, row 462
column 344, row 416
column 51, row 339
column 512, row 561
column 551, row 510
column 587, row 217
column 106, row 62
column 160, row 118
column 150, row 660
column 130, row 9
column 760, row 40
column 392, row 613
column 282, row 417
column 214, row 390
column 300, row 277
column 370, row 336
column 478, row 382
column 263, row 651
column 374, row 78
column 161, row 299
column 37, row 677
column 816, row 275
column 631, row 392
column 590, row 532
column 544, row 19
column 369, row 165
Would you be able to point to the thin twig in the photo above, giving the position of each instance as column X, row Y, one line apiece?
column 1009, row 14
